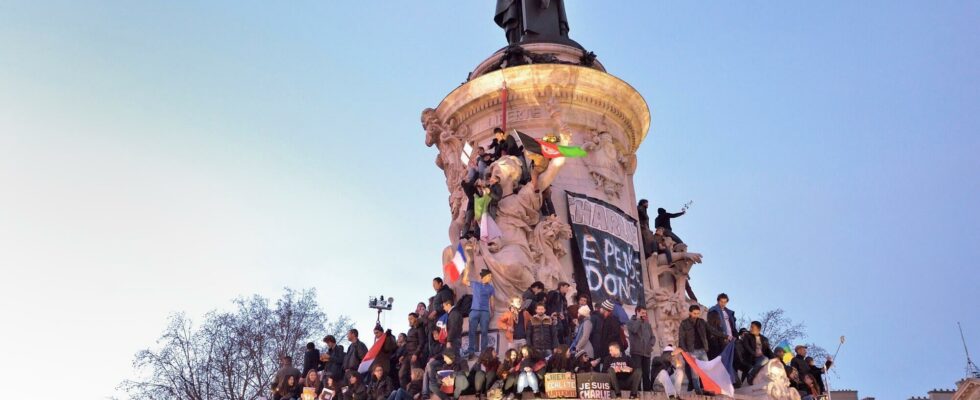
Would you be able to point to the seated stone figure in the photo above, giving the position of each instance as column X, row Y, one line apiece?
column 772, row 383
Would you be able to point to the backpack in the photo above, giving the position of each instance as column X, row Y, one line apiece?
column 464, row 305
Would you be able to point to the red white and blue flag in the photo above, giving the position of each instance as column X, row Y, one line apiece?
column 714, row 374
column 371, row 355
column 454, row 268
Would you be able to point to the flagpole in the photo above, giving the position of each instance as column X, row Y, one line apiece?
column 503, row 102
column 826, row 377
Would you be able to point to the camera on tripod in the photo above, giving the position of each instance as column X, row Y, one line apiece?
column 380, row 303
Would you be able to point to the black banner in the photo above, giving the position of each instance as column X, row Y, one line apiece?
column 606, row 247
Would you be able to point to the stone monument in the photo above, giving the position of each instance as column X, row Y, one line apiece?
column 553, row 87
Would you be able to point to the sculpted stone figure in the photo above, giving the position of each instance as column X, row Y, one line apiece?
column 450, row 145
column 547, row 247
column 606, row 164
column 772, row 383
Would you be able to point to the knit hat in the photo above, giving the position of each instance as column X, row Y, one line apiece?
column 669, row 349
column 584, row 311
column 608, row 305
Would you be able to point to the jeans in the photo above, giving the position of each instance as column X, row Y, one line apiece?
column 641, row 364
column 527, row 380
column 479, row 320
column 760, row 362
column 399, row 394
column 700, row 355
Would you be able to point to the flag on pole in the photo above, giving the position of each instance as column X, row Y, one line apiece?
column 454, row 268
column 503, row 103
column 371, row 355
column 714, row 374
column 548, row 149
column 788, row 355
column 488, row 228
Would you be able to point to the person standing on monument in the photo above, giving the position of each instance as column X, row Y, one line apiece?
column 503, row 145
column 480, row 312
column 356, row 351
column 414, row 353
column 454, row 326
column 443, row 293
column 543, row 335
column 556, row 305
column 663, row 221
column 641, row 336
column 692, row 338
column 722, row 320
column 333, row 358
column 583, row 332
column 609, row 330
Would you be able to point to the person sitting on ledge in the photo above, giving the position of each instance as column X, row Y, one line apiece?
column 754, row 348
column 663, row 221
column 456, row 377
column 620, row 370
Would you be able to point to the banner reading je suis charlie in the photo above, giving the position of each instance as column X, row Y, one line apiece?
column 605, row 250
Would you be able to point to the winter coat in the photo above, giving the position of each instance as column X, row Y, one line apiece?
column 380, row 389
column 355, row 353
column 335, row 367
column 583, row 333
column 693, row 334
column 454, row 326
column 663, row 220
column 641, row 336
column 609, row 332
column 543, row 335
column 415, row 342
column 384, row 356
column 746, row 348
column 444, row 293
column 311, row 360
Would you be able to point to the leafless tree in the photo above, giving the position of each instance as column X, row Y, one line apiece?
column 231, row 355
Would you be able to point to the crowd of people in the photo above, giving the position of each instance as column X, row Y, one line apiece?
column 546, row 334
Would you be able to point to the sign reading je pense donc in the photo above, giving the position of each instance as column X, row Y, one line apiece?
column 606, row 246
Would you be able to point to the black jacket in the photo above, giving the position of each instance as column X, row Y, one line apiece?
column 336, row 364
column 609, row 332
column 415, row 341
column 644, row 217
column 509, row 145
column 384, row 356
column 355, row 353
column 663, row 220
column 380, row 389
column 444, row 293
column 454, row 326
column 693, row 335
column 746, row 348
column 543, row 335
column 311, row 360
column 356, row 392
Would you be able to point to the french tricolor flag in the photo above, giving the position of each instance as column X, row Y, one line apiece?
column 371, row 355
column 454, row 268
column 714, row 374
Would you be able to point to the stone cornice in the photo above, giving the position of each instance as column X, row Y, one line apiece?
column 569, row 84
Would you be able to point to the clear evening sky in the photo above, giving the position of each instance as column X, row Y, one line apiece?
column 163, row 156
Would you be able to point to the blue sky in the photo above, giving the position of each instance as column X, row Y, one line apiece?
column 166, row 156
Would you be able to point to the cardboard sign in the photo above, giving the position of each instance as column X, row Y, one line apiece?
column 594, row 386
column 309, row 393
column 606, row 254
column 560, row 385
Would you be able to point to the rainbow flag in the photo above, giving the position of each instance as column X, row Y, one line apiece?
column 788, row 355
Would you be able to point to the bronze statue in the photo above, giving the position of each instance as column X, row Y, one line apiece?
column 529, row 21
